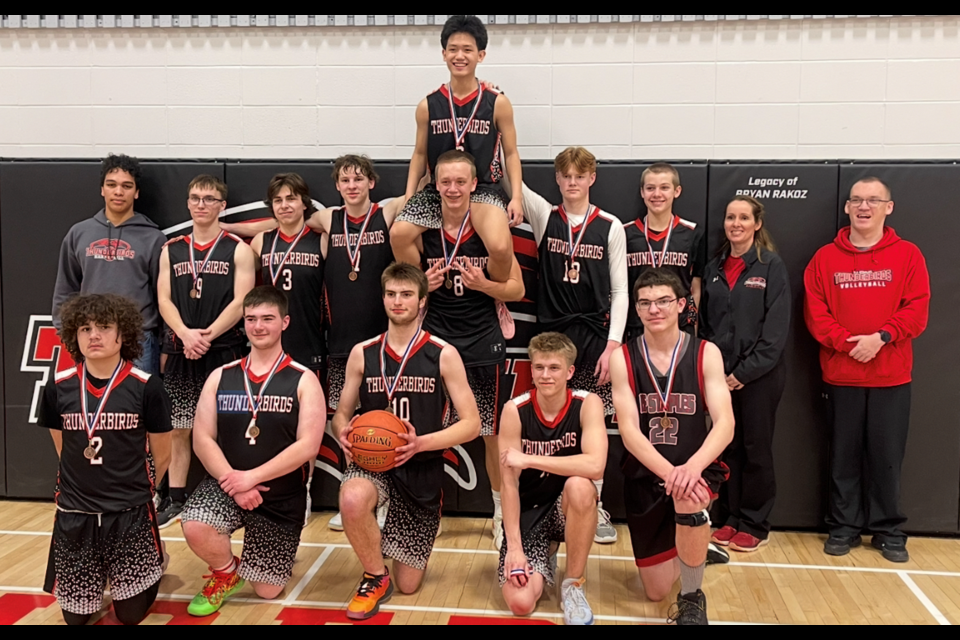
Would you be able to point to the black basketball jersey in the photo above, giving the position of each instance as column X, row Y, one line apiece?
column 421, row 399
column 686, row 407
column 301, row 278
column 578, row 290
column 278, row 420
column 482, row 140
column 118, row 477
column 465, row 318
column 355, row 307
column 686, row 257
column 215, row 293
column 560, row 438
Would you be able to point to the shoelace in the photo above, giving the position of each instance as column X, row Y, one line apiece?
column 369, row 585
column 604, row 516
column 684, row 609
column 575, row 599
column 216, row 583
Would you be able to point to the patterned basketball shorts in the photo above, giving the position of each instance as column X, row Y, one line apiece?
column 269, row 548
column 424, row 208
column 537, row 544
column 584, row 380
column 491, row 391
column 336, row 378
column 89, row 550
column 184, row 379
column 410, row 531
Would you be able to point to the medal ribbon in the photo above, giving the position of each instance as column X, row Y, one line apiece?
column 91, row 427
column 449, row 258
column 275, row 275
column 461, row 134
column 666, row 244
column 391, row 389
column 255, row 406
column 354, row 255
column 193, row 269
column 575, row 247
column 671, row 374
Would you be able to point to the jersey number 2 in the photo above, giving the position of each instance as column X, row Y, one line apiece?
column 664, row 435
column 97, row 444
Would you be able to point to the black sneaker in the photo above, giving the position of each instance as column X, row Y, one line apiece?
column 717, row 555
column 691, row 611
column 838, row 547
column 893, row 551
column 169, row 513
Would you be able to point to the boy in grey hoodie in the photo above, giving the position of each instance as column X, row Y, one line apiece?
column 116, row 251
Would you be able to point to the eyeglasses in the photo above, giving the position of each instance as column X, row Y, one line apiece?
column 873, row 203
column 208, row 201
column 662, row 305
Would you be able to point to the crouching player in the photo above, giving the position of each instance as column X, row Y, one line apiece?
column 103, row 414
column 553, row 444
column 665, row 383
column 259, row 424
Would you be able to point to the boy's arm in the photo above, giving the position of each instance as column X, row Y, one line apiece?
column 510, row 440
column 244, row 280
column 503, row 117
column 205, row 443
column 418, row 163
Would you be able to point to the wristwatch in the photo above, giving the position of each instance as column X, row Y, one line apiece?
column 886, row 337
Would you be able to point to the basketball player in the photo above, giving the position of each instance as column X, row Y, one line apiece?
column 470, row 116
column 664, row 240
column 203, row 279
column 416, row 376
column 583, row 281
column 663, row 383
column 259, row 424
column 116, row 251
column 103, row 415
column 553, row 445
column 463, row 304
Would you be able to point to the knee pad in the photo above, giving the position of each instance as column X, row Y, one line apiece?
column 694, row 521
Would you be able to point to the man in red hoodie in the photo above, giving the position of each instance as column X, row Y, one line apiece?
column 868, row 297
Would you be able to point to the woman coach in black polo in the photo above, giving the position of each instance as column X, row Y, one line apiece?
column 746, row 312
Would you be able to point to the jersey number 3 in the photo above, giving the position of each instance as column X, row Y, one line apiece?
column 664, row 435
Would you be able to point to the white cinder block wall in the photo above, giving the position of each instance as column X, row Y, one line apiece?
column 854, row 88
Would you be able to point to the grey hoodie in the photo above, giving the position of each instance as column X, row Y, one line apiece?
column 97, row 257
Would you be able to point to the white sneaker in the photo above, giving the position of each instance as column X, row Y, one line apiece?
column 576, row 609
column 606, row 533
column 336, row 523
column 382, row 516
column 498, row 535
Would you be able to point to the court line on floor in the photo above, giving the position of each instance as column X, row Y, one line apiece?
column 308, row 577
column 924, row 600
column 484, row 552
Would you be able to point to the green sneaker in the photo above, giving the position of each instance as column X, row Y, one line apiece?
column 219, row 587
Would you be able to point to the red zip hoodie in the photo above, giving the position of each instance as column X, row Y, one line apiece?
column 857, row 293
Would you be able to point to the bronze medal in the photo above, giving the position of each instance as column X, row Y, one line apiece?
column 254, row 432
column 666, row 422
column 389, row 409
column 572, row 274
column 460, row 148
column 449, row 283
column 193, row 293
column 90, row 453
column 354, row 276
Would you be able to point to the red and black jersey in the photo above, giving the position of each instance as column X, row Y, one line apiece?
column 559, row 438
column 356, row 307
column 686, row 406
column 686, row 257
column 465, row 318
column 301, row 278
column 215, row 292
column 118, row 477
column 278, row 421
column 482, row 140
column 578, row 290
column 420, row 399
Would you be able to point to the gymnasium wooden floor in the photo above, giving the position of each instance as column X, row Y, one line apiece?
column 788, row 582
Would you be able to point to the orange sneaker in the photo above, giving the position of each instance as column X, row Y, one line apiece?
column 373, row 591
column 723, row 537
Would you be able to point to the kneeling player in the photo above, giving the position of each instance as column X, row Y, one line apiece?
column 103, row 415
column 663, row 383
column 414, row 375
column 259, row 423
column 553, row 444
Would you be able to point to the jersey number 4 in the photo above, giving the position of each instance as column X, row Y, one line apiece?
column 664, row 435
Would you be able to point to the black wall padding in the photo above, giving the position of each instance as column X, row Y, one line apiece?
column 927, row 213
column 801, row 220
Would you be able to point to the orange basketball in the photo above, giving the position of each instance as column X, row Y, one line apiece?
column 375, row 440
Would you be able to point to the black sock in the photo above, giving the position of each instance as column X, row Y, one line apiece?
column 178, row 495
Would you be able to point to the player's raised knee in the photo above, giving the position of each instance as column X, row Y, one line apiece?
column 267, row 591
column 688, row 516
column 581, row 494
column 357, row 498
column 522, row 603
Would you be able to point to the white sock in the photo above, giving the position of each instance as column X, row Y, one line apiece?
column 599, row 485
column 496, row 502
column 230, row 568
